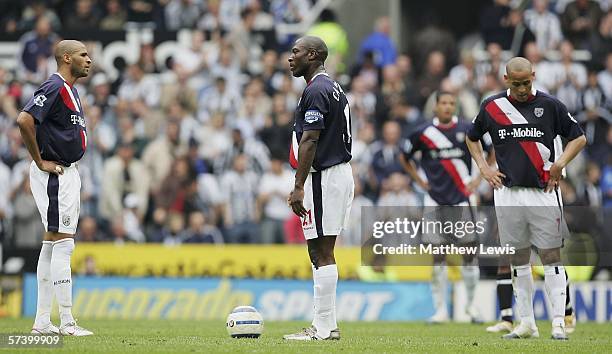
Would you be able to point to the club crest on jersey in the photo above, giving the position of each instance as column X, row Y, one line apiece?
column 312, row 116
column 40, row 100
column 538, row 111
column 460, row 137
column 66, row 220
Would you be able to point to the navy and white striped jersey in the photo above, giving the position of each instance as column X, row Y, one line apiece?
column 445, row 159
column 323, row 106
column 523, row 134
column 60, row 122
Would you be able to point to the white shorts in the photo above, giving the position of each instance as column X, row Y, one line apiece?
column 529, row 216
column 57, row 198
column 328, row 196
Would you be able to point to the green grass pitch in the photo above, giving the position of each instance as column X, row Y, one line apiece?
column 169, row 336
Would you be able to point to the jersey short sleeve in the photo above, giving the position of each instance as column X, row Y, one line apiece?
column 565, row 124
column 411, row 145
column 315, row 103
column 42, row 101
column 478, row 127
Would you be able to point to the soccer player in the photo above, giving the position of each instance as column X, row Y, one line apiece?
column 447, row 164
column 53, row 129
column 323, row 190
column 523, row 124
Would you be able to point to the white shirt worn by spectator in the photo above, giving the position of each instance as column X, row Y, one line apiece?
column 604, row 78
column 278, row 188
column 546, row 27
column 240, row 191
column 147, row 89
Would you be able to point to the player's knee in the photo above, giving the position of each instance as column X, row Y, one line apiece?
column 550, row 256
column 521, row 257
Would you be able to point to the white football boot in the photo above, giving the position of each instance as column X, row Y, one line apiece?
column 500, row 327
column 49, row 329
column 310, row 333
column 523, row 331
column 559, row 333
column 71, row 329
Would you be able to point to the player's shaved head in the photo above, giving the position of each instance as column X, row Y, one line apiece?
column 518, row 65
column 68, row 46
column 314, row 43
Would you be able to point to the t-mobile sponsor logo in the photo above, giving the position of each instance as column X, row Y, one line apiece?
column 520, row 133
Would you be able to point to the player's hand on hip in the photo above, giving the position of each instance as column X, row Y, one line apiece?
column 296, row 201
column 51, row 167
column 554, row 178
column 493, row 176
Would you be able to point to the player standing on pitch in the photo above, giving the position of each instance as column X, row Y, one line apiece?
column 52, row 125
column 323, row 191
column 448, row 166
column 523, row 124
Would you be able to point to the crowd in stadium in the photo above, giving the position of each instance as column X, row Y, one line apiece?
column 196, row 151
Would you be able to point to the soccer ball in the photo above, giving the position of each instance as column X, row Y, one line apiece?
column 244, row 322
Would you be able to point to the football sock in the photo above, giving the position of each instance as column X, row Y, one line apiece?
column 569, row 310
column 45, row 286
column 555, row 282
column 471, row 274
column 62, row 277
column 325, row 281
column 522, row 282
column 439, row 282
column 504, row 295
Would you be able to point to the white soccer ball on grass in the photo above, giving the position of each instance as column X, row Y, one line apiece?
column 244, row 322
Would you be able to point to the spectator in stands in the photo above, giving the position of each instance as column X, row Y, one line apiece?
column 136, row 86
column 255, row 152
column 352, row 236
column 215, row 137
column 601, row 43
column 331, row 32
column 193, row 59
column 590, row 191
column 521, row 34
column 278, row 128
column 122, row 175
column 545, row 25
column 543, row 67
column 435, row 71
column 219, row 98
column 396, row 192
column 274, row 187
column 568, row 79
column 263, row 20
column 27, row 227
column 240, row 188
column 392, row 87
column 146, row 12
column 147, row 59
column 362, row 102
column 174, row 189
column 210, row 19
column 580, row 20
column 179, row 89
column 159, row 154
column 115, row 18
column 464, row 73
column 36, row 51
column 84, row 17
column 201, row 231
column 385, row 153
column 595, row 121
column 88, row 230
column 35, row 10
column 604, row 78
column 180, row 14
column 379, row 43
column 495, row 26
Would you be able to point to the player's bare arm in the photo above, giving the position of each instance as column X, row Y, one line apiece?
column 306, row 153
column 490, row 174
column 410, row 167
column 28, row 132
column 571, row 150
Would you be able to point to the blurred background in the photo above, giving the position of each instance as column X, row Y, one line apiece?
column 189, row 111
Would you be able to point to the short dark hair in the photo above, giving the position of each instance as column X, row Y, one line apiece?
column 441, row 93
